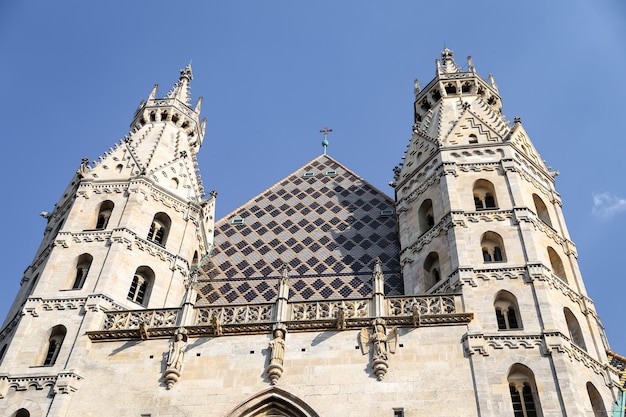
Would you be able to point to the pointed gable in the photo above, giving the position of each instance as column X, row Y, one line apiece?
column 520, row 139
column 471, row 124
column 324, row 221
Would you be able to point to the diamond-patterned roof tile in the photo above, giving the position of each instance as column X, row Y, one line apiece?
column 327, row 228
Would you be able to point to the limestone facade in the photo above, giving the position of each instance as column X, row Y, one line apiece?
column 319, row 297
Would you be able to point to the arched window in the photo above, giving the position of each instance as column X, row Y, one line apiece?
column 542, row 210
column 432, row 271
column 141, row 285
column 57, row 334
column 484, row 195
column 556, row 264
column 425, row 215
column 597, row 405
column 174, row 183
column 22, row 412
column 159, row 229
column 492, row 247
column 473, row 138
column 507, row 311
column 575, row 332
column 82, row 268
column 104, row 214
column 523, row 390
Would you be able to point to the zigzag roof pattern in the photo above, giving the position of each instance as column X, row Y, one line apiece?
column 324, row 221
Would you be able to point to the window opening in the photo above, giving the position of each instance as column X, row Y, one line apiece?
column 523, row 391
column 492, row 247
column 82, row 269
column 159, row 228
column 104, row 214
column 57, row 334
column 484, row 195
column 140, row 286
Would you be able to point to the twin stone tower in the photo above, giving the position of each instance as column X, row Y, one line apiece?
column 321, row 296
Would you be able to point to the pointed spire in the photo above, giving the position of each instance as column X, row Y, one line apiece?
column 493, row 82
column 198, row 105
column 180, row 90
column 152, row 95
column 470, row 64
column 447, row 61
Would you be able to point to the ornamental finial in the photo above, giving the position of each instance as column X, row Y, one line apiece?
column 325, row 131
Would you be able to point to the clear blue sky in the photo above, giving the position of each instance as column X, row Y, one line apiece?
column 273, row 73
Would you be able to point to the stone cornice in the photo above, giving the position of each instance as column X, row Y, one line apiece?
column 548, row 343
column 64, row 382
column 158, row 194
column 92, row 302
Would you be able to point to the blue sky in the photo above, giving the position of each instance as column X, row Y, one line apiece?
column 274, row 73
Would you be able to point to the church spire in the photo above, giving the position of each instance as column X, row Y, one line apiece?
column 180, row 90
column 175, row 108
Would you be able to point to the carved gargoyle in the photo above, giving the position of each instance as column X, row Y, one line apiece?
column 383, row 343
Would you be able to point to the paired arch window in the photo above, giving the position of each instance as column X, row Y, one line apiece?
column 492, row 247
column 541, row 210
column 597, row 405
column 556, row 264
column 82, row 269
column 140, row 287
column 425, row 215
column 159, row 229
column 104, row 214
column 484, row 195
column 507, row 311
column 432, row 270
column 575, row 332
column 523, row 392
column 57, row 334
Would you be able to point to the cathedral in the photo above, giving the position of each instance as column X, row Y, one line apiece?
column 460, row 295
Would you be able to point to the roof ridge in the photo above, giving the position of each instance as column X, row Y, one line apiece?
column 277, row 183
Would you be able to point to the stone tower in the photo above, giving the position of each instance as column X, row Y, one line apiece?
column 479, row 215
column 321, row 296
column 124, row 235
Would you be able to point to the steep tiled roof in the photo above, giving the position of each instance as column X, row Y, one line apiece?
column 326, row 225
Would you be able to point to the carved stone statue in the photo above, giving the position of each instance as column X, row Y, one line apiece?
column 175, row 358
column 177, row 350
column 277, row 348
column 383, row 344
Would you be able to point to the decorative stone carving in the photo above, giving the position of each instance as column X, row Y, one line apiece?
column 383, row 343
column 175, row 358
column 217, row 326
column 277, row 348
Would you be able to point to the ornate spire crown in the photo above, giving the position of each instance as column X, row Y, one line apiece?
column 180, row 90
